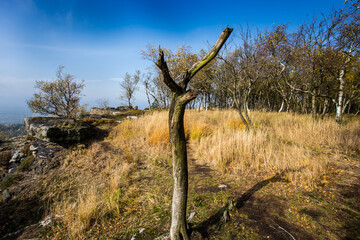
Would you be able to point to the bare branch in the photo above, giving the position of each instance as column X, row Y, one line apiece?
column 207, row 58
column 162, row 65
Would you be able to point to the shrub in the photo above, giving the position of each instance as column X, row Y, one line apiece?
column 60, row 97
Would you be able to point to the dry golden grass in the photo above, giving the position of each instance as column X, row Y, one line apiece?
column 148, row 135
column 86, row 187
column 293, row 144
column 95, row 182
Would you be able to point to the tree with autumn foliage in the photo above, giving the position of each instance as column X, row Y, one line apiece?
column 60, row 97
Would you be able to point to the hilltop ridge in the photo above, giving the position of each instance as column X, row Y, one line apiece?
column 292, row 177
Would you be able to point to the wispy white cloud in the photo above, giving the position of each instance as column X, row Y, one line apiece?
column 116, row 79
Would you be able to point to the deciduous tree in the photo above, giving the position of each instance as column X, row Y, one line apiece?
column 129, row 86
column 60, row 97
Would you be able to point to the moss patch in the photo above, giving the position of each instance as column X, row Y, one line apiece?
column 26, row 164
column 9, row 181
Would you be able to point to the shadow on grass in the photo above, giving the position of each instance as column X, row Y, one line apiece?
column 17, row 215
column 259, row 213
column 350, row 208
column 215, row 219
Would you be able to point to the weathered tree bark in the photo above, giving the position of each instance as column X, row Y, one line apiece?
column 179, row 157
column 180, row 97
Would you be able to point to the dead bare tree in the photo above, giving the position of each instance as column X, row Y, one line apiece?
column 179, row 98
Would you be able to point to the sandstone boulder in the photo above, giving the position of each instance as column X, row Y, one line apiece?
column 58, row 130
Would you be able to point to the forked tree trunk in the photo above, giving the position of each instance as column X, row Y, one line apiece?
column 179, row 98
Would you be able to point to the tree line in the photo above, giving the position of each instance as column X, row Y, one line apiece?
column 314, row 69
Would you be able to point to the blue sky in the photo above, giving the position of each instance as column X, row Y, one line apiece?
column 99, row 41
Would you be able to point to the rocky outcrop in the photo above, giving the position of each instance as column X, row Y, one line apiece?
column 58, row 130
column 111, row 111
column 28, row 160
column 19, row 149
column 44, row 153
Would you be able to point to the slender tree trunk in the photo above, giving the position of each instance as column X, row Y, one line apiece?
column 248, row 118
column 178, row 228
column 305, row 102
column 238, row 108
column 205, row 105
column 326, row 102
column 340, row 101
column 245, row 104
column 358, row 110
column 268, row 103
column 282, row 106
column 346, row 104
column 243, row 119
column 313, row 106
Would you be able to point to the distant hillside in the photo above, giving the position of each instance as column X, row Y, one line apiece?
column 12, row 118
column 11, row 130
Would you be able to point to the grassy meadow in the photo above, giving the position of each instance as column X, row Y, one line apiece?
column 291, row 177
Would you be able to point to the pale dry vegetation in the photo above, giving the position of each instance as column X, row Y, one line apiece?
column 296, row 145
column 292, row 144
column 106, row 180
column 86, row 188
